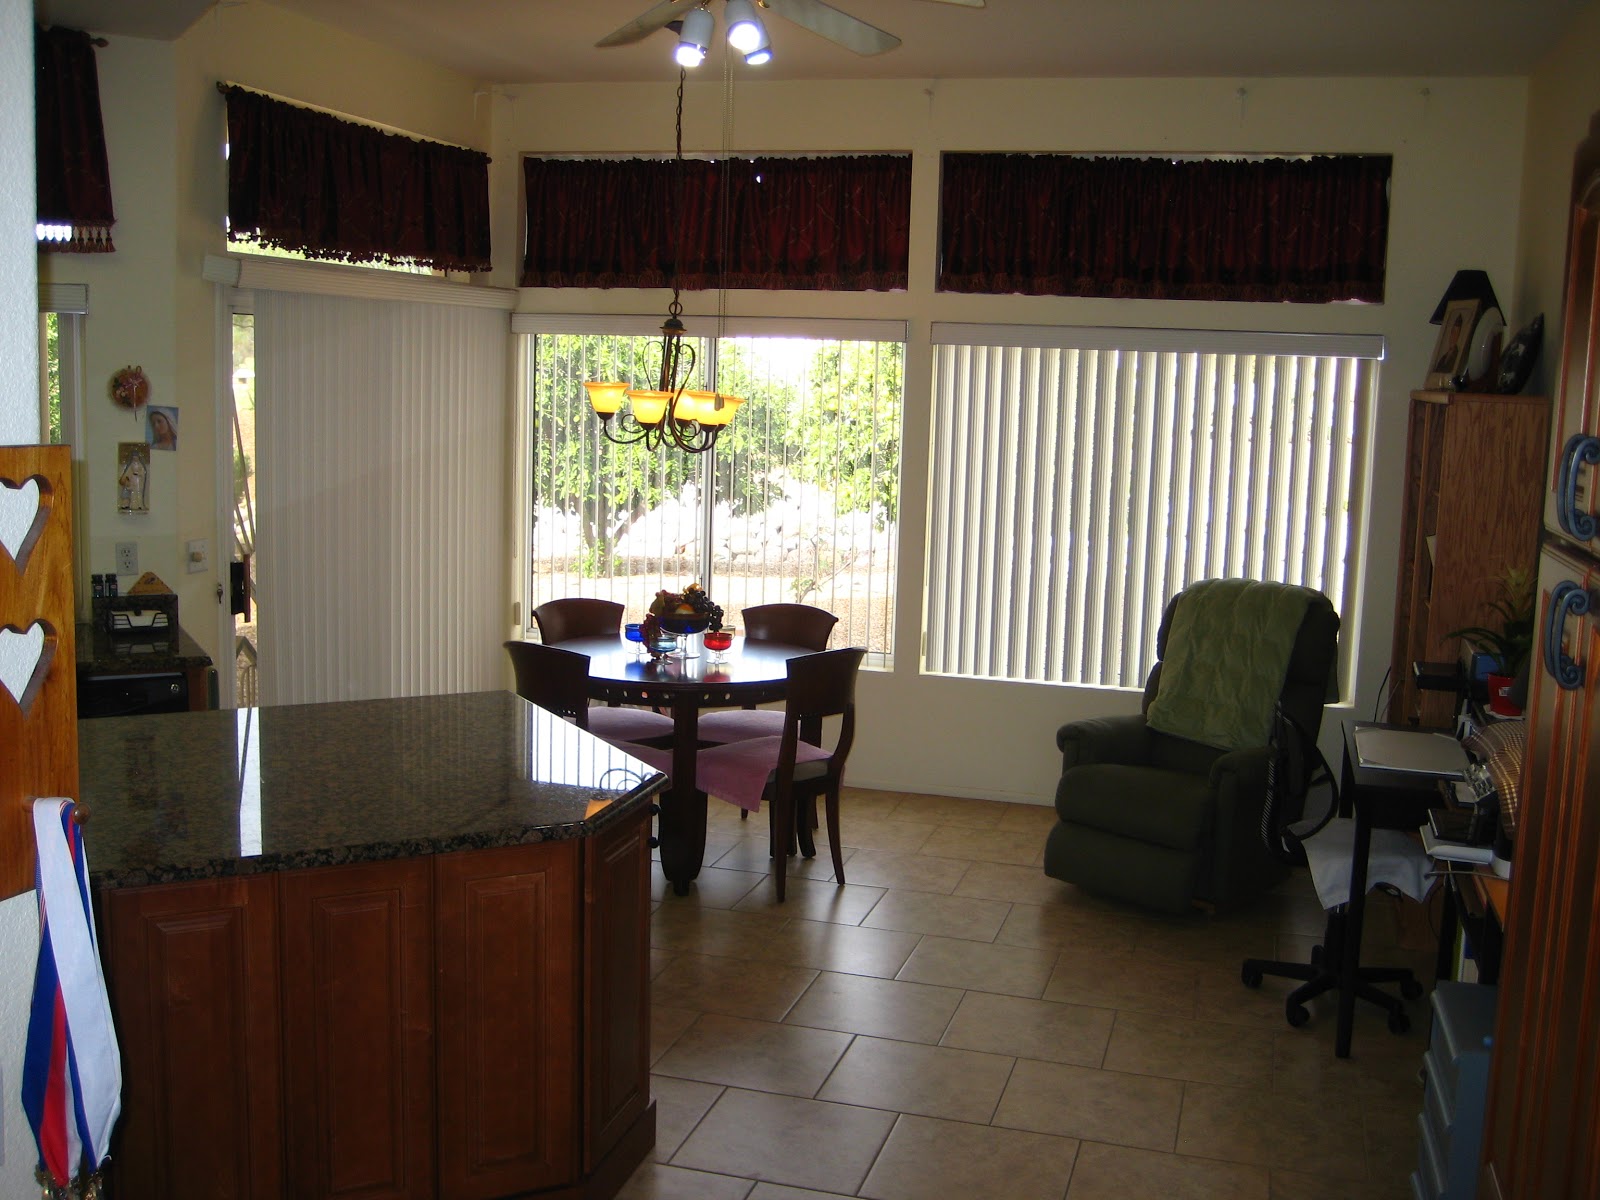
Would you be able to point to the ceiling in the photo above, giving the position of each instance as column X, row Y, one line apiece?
column 549, row 41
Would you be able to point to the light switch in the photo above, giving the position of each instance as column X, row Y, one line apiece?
column 195, row 555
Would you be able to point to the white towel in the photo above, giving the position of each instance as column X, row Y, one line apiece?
column 1395, row 858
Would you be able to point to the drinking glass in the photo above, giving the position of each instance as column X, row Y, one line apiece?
column 635, row 635
column 718, row 641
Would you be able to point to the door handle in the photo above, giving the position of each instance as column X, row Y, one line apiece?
column 1581, row 448
column 1566, row 599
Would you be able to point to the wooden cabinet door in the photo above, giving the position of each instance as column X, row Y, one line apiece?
column 1544, row 1088
column 358, row 1030
column 616, row 984
column 193, row 974
column 507, row 937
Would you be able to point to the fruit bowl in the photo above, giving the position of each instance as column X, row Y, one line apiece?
column 679, row 624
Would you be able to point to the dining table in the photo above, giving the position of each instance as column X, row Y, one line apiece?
column 751, row 672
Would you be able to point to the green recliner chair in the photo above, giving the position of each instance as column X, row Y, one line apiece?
column 1163, row 809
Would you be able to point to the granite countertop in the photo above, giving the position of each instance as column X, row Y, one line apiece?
column 200, row 795
column 98, row 653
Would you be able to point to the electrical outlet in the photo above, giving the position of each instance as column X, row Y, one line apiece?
column 127, row 558
column 195, row 555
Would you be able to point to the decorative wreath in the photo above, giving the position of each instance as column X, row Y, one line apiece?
column 130, row 387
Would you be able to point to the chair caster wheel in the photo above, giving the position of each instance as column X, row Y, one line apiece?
column 1298, row 1014
column 1250, row 976
column 1399, row 1022
column 654, row 842
column 1411, row 989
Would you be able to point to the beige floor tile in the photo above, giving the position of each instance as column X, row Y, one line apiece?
column 947, row 916
column 1296, row 1185
column 1036, row 1029
column 1201, row 1051
column 813, row 900
column 951, row 810
column 1008, row 881
column 666, row 1024
column 979, row 966
column 716, row 887
column 684, row 926
column 783, row 1139
column 885, row 833
column 658, row 959
column 1382, row 1069
column 760, row 991
column 1123, row 980
column 927, row 1159
column 776, row 1191
column 761, row 1055
column 845, row 948
column 983, row 845
column 912, row 872
column 1029, row 818
column 1067, row 926
column 1389, row 1134
column 1219, row 943
column 753, row 854
column 1092, row 1105
column 1255, row 1125
column 680, row 1103
column 1120, row 1173
column 885, row 1008
column 931, row 1081
column 656, row 1181
column 861, row 804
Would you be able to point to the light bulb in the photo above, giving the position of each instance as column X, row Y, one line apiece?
column 745, row 32
column 694, row 39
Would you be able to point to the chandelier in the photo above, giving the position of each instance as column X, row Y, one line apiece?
column 671, row 413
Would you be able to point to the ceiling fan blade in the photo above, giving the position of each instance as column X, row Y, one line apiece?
column 827, row 21
column 647, row 23
column 963, row 3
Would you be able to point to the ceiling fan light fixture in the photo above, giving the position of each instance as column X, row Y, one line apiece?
column 745, row 31
column 761, row 54
column 694, row 39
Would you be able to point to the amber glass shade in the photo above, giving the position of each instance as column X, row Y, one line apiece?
column 606, row 398
column 649, row 407
column 719, row 410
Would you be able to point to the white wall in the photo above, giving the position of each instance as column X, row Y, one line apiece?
column 19, row 425
column 971, row 737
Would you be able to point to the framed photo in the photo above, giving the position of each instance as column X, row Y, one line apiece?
column 1449, row 358
column 161, row 427
column 133, row 477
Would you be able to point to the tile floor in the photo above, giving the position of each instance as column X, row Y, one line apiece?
column 953, row 1024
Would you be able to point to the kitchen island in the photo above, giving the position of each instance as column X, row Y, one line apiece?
column 394, row 948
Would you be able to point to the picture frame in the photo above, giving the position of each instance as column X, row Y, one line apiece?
column 161, row 427
column 1449, row 358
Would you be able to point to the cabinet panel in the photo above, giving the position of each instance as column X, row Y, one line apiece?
column 358, row 1036
column 1543, row 1088
column 1473, row 464
column 507, row 930
column 193, row 976
column 616, row 984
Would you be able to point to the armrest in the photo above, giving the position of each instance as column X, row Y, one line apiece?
column 1124, row 740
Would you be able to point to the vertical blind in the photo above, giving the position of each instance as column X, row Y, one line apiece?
column 381, row 522
column 1076, row 487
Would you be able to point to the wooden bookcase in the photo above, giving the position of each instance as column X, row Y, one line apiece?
column 1473, row 495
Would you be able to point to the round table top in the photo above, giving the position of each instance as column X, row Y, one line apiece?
column 750, row 662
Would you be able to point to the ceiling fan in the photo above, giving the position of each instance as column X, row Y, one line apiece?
column 692, row 19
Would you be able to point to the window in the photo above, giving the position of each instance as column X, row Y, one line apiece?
column 1080, row 477
column 62, row 308
column 798, row 502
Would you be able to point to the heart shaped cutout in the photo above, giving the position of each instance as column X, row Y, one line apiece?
column 23, row 509
column 25, row 661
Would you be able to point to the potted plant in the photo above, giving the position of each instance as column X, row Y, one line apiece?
column 1509, row 643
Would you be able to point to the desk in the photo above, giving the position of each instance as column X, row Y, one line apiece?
column 1388, row 800
column 756, row 673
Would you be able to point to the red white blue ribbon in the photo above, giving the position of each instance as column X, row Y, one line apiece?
column 72, row 1068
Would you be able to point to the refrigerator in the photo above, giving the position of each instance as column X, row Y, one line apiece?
column 1543, row 1124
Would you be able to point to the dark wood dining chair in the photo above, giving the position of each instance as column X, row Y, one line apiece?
column 557, row 680
column 793, row 624
column 820, row 685
column 575, row 617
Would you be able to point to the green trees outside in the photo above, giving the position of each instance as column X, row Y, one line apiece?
column 821, row 413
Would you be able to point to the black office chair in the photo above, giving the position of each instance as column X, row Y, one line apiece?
column 1295, row 769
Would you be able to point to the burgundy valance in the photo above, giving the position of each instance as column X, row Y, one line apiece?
column 1305, row 230
column 304, row 180
column 839, row 223
column 74, row 177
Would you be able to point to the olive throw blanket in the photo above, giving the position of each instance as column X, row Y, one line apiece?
column 1228, row 654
